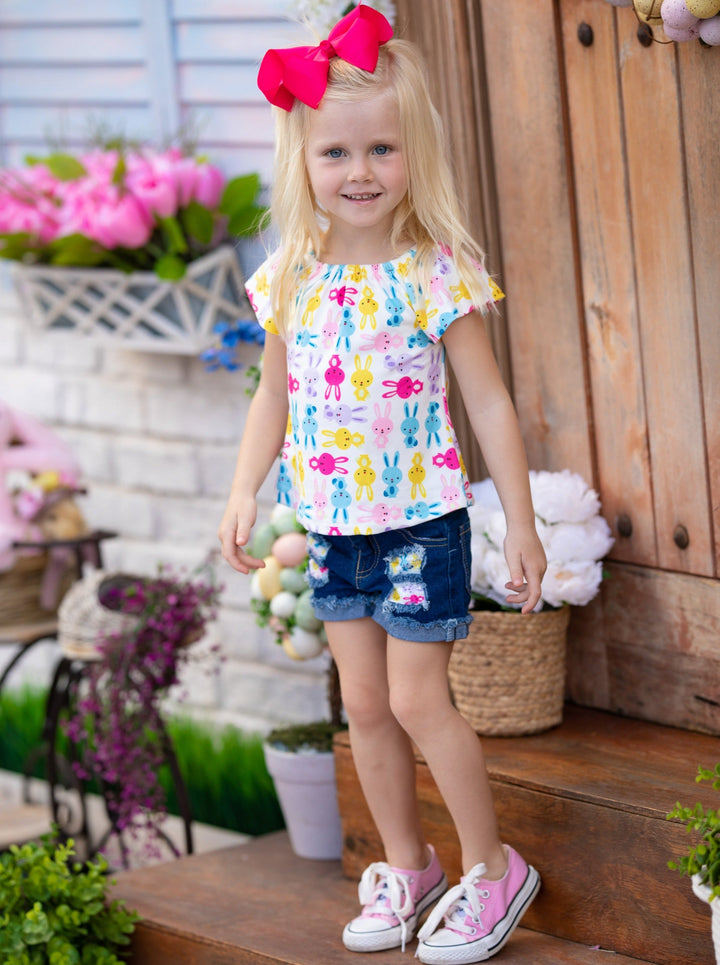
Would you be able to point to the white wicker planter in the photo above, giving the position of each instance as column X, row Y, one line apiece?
column 137, row 310
column 703, row 893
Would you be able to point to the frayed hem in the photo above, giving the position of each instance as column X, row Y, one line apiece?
column 335, row 608
column 439, row 631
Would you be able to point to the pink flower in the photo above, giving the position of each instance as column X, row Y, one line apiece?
column 122, row 224
column 210, row 184
column 153, row 185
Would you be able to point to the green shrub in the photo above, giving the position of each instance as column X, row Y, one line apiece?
column 53, row 911
column 223, row 769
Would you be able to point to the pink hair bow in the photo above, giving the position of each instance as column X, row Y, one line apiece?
column 302, row 72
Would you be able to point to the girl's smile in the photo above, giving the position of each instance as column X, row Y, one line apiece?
column 355, row 165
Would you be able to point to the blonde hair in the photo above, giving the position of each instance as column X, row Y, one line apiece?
column 428, row 216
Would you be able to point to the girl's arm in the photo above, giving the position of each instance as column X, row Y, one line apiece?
column 495, row 425
column 261, row 443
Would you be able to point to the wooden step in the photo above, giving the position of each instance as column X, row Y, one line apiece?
column 585, row 803
column 259, row 904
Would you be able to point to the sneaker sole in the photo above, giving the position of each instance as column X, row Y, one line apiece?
column 484, row 948
column 388, row 938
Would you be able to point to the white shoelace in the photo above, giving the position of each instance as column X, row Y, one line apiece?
column 456, row 904
column 379, row 880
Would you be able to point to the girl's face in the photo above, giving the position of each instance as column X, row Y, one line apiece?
column 355, row 165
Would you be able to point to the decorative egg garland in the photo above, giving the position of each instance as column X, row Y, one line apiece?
column 279, row 591
column 681, row 20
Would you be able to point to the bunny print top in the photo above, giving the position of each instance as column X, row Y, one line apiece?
column 370, row 445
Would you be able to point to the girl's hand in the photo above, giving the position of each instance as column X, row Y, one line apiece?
column 527, row 564
column 234, row 535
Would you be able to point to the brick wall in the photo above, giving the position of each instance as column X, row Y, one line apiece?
column 157, row 437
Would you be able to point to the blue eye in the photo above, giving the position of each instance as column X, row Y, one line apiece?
column 334, row 152
column 382, row 149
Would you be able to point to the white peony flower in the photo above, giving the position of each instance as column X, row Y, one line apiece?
column 575, row 582
column 563, row 497
column 575, row 537
column 578, row 541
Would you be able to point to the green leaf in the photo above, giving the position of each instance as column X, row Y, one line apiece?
column 118, row 175
column 174, row 236
column 76, row 250
column 65, row 167
column 198, row 221
column 239, row 193
column 170, row 268
column 246, row 221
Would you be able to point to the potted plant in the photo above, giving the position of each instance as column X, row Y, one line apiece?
column 127, row 244
column 701, row 861
column 508, row 676
column 299, row 757
column 54, row 909
column 134, row 636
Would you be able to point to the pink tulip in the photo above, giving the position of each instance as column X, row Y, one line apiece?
column 156, row 193
column 122, row 225
column 210, row 184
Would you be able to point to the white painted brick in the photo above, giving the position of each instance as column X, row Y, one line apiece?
column 113, row 405
column 236, row 382
column 142, row 557
column 10, row 339
column 101, row 403
column 239, row 635
column 216, row 465
column 290, row 698
column 129, row 513
column 156, row 465
column 32, row 391
column 144, row 367
column 93, row 451
column 236, row 594
column 61, row 351
column 180, row 412
column 189, row 520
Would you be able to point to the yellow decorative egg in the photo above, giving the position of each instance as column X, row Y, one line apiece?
column 649, row 10
column 269, row 578
column 704, row 9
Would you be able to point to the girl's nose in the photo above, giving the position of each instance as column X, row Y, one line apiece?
column 360, row 170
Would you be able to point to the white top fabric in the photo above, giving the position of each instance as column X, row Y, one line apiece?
column 370, row 445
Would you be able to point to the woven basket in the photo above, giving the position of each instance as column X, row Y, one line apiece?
column 20, row 589
column 508, row 676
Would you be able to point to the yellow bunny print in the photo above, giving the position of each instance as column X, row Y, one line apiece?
column 416, row 475
column 312, row 306
column 368, row 306
column 356, row 273
column 364, row 477
column 362, row 377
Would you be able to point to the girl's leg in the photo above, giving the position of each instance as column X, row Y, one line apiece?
column 420, row 700
column 382, row 751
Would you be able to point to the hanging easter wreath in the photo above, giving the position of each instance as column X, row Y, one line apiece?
column 681, row 20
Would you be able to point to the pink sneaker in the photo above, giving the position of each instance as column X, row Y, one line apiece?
column 393, row 900
column 480, row 915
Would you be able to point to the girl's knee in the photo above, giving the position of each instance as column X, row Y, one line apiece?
column 365, row 706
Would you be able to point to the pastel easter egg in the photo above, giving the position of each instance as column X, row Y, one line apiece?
column 262, row 541
column 704, row 9
column 269, row 578
column 305, row 644
column 692, row 33
column 289, row 649
column 283, row 519
column 290, row 549
column 676, row 15
column 255, row 591
column 709, row 31
column 305, row 614
column 293, row 581
column 649, row 10
column 282, row 604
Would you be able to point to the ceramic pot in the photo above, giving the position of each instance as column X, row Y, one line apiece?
column 307, row 791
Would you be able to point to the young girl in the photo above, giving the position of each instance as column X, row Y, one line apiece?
column 374, row 281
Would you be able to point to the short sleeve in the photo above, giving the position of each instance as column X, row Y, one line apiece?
column 258, row 291
column 449, row 296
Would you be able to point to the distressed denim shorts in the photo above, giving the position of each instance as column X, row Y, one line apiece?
column 414, row 582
